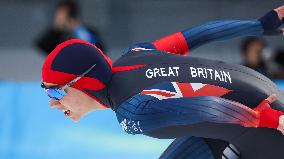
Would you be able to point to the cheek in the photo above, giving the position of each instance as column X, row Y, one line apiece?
column 70, row 102
column 75, row 101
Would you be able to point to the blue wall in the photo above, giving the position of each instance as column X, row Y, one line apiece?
column 30, row 129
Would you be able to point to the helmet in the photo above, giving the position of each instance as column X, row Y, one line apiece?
column 73, row 57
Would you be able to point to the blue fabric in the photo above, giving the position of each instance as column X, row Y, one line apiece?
column 139, row 115
column 126, row 113
column 136, row 116
column 187, row 147
column 82, row 33
column 221, row 30
column 145, row 113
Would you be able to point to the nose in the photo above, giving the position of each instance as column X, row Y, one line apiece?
column 57, row 104
column 53, row 103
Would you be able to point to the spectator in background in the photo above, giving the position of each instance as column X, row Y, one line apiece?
column 278, row 60
column 252, row 49
column 67, row 25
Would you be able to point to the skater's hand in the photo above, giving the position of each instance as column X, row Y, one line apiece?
column 280, row 13
column 266, row 103
column 272, row 21
column 281, row 124
column 268, row 117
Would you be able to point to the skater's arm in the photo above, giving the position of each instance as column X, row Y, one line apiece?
column 185, row 41
column 219, row 110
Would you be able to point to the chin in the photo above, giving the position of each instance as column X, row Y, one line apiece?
column 75, row 119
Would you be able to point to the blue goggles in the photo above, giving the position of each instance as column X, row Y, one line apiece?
column 54, row 93
column 57, row 93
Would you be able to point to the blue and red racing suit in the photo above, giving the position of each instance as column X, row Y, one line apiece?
column 205, row 105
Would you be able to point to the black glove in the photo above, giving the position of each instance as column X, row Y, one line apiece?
column 271, row 23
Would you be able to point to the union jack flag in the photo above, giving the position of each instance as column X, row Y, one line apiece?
column 179, row 90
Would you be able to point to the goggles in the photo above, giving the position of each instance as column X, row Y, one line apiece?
column 57, row 93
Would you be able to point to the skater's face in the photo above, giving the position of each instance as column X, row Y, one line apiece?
column 75, row 104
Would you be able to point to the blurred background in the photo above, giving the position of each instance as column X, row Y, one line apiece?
column 30, row 28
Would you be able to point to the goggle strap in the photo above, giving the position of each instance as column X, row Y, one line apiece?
column 77, row 78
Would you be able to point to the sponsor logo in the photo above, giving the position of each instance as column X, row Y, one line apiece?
column 131, row 126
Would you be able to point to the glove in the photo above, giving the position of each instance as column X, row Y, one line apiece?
column 269, row 117
column 272, row 20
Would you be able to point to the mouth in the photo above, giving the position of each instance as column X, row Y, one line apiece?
column 70, row 115
column 67, row 113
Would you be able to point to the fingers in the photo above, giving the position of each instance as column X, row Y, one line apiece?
column 280, row 12
column 281, row 124
column 280, row 9
column 281, row 129
column 271, row 98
